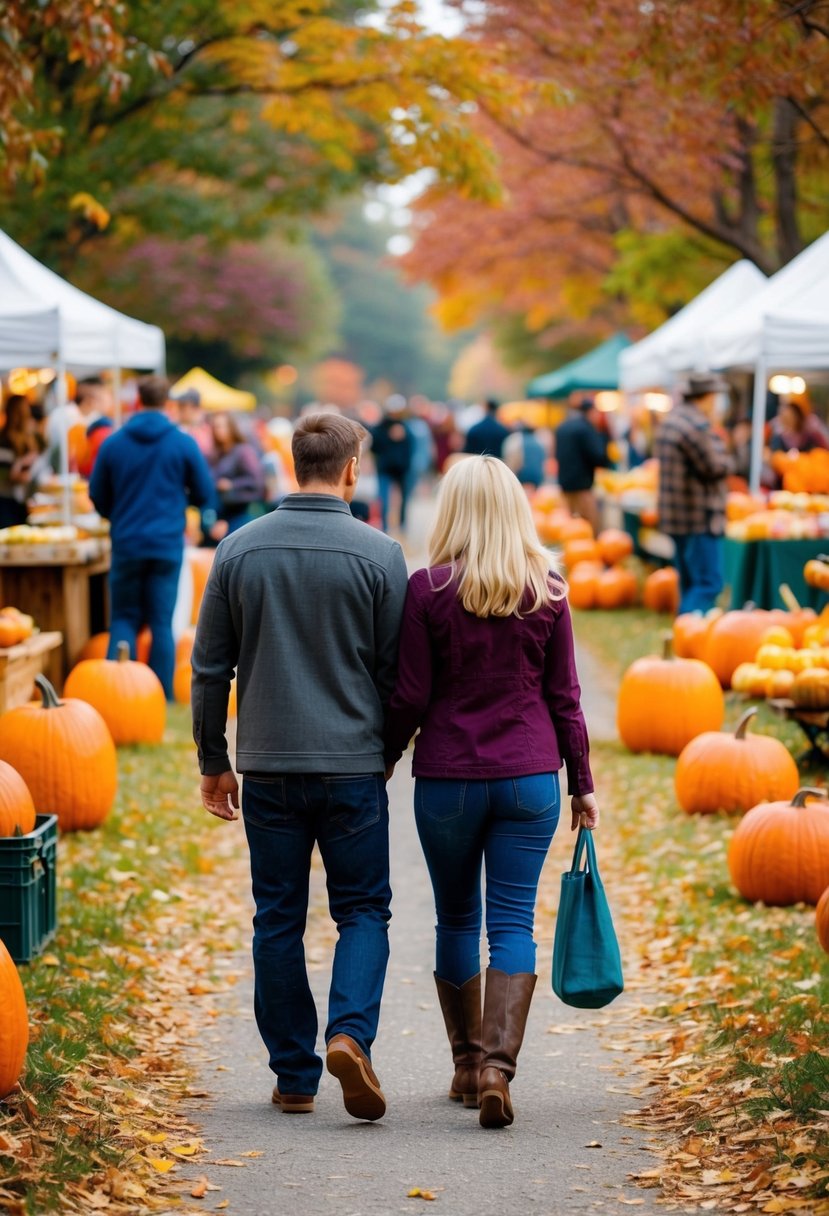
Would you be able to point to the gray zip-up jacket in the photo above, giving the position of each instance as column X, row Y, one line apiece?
column 306, row 604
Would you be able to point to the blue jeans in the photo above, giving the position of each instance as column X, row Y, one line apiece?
column 385, row 481
column 143, row 591
column 699, row 562
column 348, row 816
column 507, row 825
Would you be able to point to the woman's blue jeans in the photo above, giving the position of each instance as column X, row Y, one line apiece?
column 348, row 816
column 505, row 825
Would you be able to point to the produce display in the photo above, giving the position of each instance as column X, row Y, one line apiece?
column 720, row 771
column 128, row 696
column 14, row 1024
column 15, row 627
column 46, row 507
column 688, row 695
column 779, row 853
column 98, row 645
column 65, row 754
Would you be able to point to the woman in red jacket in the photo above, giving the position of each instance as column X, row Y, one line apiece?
column 487, row 673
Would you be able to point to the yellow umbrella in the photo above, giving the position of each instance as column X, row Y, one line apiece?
column 214, row 394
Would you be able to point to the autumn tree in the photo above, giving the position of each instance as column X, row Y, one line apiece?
column 213, row 116
column 664, row 140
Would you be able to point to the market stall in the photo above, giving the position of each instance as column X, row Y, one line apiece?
column 680, row 344
column 212, row 393
column 45, row 322
column 597, row 371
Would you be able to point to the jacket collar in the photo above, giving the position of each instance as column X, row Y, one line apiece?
column 314, row 502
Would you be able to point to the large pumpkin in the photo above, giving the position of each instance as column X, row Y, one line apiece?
column 64, row 752
column 735, row 638
column 661, row 591
column 614, row 545
column 822, row 920
column 666, row 702
column 576, row 551
column 14, row 1024
column 690, row 631
column 184, row 645
column 574, row 528
column 616, row 588
column 779, row 853
column 128, row 696
column 719, row 771
column 17, row 811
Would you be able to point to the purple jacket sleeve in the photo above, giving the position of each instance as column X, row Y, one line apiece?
column 413, row 689
column 563, row 696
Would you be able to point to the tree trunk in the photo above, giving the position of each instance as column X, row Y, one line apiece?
column 784, row 160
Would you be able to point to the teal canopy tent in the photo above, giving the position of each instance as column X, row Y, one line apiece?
column 596, row 371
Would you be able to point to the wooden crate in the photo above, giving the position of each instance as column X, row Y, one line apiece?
column 20, row 664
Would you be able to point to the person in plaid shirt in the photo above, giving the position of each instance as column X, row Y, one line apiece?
column 693, row 467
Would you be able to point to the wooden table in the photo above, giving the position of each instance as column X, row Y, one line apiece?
column 20, row 664
column 64, row 589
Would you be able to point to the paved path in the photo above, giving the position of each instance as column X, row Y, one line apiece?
column 568, row 1150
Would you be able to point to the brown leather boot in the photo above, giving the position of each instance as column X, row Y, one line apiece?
column 507, row 1001
column 461, row 1008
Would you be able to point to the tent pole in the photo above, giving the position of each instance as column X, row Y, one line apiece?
column 60, row 393
column 758, row 425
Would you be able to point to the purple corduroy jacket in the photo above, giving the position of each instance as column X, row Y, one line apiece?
column 494, row 697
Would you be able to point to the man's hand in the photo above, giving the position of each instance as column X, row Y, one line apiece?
column 585, row 810
column 220, row 795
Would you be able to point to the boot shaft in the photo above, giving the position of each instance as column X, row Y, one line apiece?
column 461, row 1009
column 507, row 1000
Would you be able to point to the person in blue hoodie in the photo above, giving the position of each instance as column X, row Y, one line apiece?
column 144, row 478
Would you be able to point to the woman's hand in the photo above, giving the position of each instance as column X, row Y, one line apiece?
column 585, row 811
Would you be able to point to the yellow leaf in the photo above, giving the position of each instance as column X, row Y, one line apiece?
column 152, row 1137
column 417, row 1193
column 188, row 1149
column 162, row 1164
column 223, row 1204
column 50, row 960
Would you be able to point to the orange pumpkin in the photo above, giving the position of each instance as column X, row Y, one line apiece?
column 17, row 811
column 779, row 854
column 661, row 591
column 574, row 528
column 14, row 1024
column 614, row 545
column 576, row 551
column 690, row 631
column 719, row 771
column 616, row 588
column 128, row 696
column 666, row 702
column 735, row 638
column 581, row 584
column 12, row 633
column 822, row 920
column 64, row 752
column 201, row 563
column 184, row 645
column 98, row 645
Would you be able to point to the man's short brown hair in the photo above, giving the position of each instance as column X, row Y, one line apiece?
column 322, row 446
column 153, row 391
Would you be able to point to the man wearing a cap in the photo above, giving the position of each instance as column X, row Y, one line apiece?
column 693, row 467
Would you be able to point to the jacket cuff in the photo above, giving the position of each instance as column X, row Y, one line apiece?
column 579, row 777
column 215, row 765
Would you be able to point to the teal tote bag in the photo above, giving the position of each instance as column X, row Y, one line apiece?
column 587, row 966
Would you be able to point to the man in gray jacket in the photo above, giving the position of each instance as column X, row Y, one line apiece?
column 305, row 604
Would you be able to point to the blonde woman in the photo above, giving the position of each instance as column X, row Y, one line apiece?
column 487, row 673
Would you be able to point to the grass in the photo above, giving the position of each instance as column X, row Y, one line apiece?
column 743, row 989
column 135, row 940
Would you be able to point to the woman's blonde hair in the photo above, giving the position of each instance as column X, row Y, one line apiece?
column 484, row 530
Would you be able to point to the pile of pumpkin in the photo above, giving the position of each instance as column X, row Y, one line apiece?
column 779, row 853
column 762, row 653
column 15, row 627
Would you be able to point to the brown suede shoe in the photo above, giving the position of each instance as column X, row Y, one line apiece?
column 362, row 1095
column 293, row 1104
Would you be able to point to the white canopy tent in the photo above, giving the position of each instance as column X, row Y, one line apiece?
column 784, row 327
column 45, row 321
column 679, row 345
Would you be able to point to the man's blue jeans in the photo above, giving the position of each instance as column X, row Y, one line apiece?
column 143, row 591
column 508, row 826
column 699, row 562
column 348, row 816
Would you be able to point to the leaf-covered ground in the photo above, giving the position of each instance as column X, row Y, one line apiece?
column 730, row 1016
column 150, row 913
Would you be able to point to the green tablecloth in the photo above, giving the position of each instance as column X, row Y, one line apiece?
column 755, row 569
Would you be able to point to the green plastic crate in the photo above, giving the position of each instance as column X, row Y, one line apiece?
column 28, row 889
